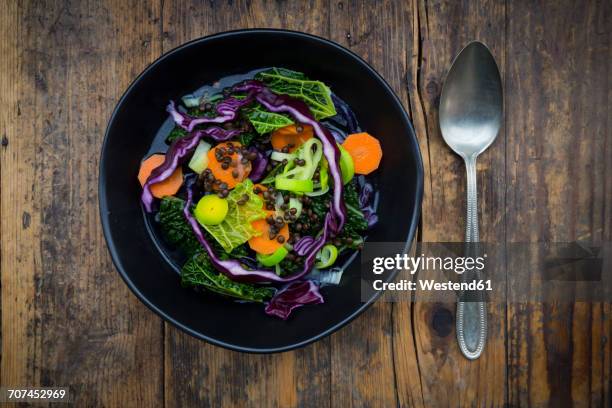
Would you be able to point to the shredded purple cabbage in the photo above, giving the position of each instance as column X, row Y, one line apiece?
column 370, row 216
column 258, row 166
column 303, row 245
column 227, row 110
column 365, row 195
column 178, row 151
column 294, row 295
column 346, row 113
column 337, row 135
column 365, row 202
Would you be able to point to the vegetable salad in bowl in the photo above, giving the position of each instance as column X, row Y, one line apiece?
column 262, row 187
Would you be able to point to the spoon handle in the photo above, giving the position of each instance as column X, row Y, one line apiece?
column 471, row 314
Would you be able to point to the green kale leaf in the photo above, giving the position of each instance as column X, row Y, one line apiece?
column 290, row 266
column 176, row 133
column 355, row 224
column 199, row 272
column 247, row 137
column 295, row 84
column 175, row 228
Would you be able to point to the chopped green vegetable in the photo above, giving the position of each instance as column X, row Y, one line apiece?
column 198, row 271
column 265, row 121
column 297, row 186
column 298, row 178
column 314, row 93
column 236, row 228
column 274, row 258
column 211, row 210
column 322, row 186
column 326, row 256
column 174, row 227
column 199, row 160
column 347, row 167
column 280, row 156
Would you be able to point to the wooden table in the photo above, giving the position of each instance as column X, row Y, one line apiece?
column 69, row 320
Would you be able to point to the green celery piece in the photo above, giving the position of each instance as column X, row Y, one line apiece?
column 314, row 93
column 236, row 228
column 265, row 122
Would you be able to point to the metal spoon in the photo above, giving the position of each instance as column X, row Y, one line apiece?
column 470, row 117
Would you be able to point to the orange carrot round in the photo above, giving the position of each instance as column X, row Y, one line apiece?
column 237, row 168
column 262, row 244
column 289, row 137
column 365, row 151
column 169, row 186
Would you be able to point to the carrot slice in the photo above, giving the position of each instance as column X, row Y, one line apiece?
column 169, row 186
column 227, row 175
column 365, row 151
column 263, row 244
column 290, row 137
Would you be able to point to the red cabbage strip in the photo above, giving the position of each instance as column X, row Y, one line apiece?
column 259, row 166
column 233, row 268
column 365, row 198
column 303, row 245
column 294, row 295
column 177, row 152
column 300, row 112
column 227, row 110
column 347, row 113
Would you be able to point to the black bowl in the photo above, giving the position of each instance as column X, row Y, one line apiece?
column 140, row 113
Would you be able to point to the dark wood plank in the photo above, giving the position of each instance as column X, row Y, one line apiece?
column 559, row 189
column 67, row 317
column 443, row 28
column 200, row 374
column 374, row 361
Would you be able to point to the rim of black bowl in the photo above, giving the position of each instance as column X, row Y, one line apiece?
column 103, row 208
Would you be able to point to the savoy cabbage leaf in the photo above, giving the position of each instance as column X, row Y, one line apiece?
column 236, row 228
column 265, row 121
column 295, row 84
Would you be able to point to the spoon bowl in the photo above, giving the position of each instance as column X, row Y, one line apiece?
column 471, row 101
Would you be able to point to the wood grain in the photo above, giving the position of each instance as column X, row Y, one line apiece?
column 559, row 189
column 68, row 319
column 374, row 370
